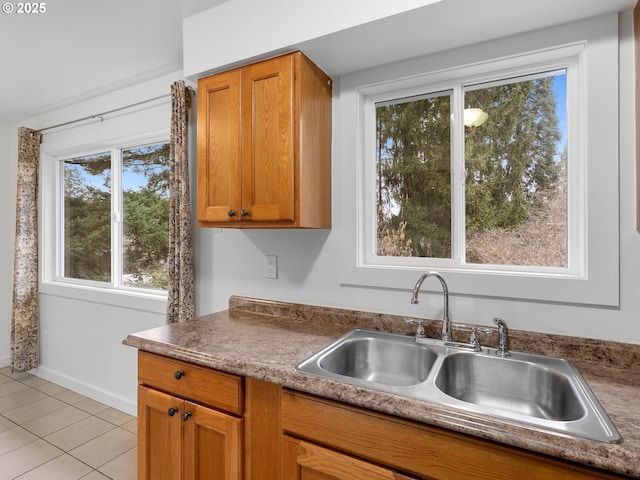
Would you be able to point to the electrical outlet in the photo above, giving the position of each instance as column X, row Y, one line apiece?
column 270, row 266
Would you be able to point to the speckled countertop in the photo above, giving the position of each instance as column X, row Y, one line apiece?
column 266, row 340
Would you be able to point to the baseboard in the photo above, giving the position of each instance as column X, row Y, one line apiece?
column 97, row 394
column 5, row 362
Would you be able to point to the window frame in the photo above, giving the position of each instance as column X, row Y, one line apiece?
column 596, row 125
column 457, row 85
column 52, row 244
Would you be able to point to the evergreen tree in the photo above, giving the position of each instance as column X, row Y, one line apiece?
column 87, row 183
column 508, row 159
column 414, row 172
column 512, row 155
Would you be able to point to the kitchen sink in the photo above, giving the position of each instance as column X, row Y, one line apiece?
column 544, row 392
column 533, row 389
column 376, row 358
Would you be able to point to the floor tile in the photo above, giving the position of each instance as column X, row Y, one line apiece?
column 49, row 388
column 131, row 425
column 5, row 424
column 34, row 410
column 11, row 387
column 18, row 376
column 15, row 438
column 52, row 422
column 48, row 432
column 95, row 475
column 91, row 406
column 75, row 435
column 105, row 448
column 70, row 397
column 64, row 467
column 114, row 416
column 26, row 458
column 34, row 381
column 20, row 399
column 123, row 467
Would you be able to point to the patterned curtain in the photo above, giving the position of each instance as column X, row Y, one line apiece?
column 181, row 304
column 25, row 342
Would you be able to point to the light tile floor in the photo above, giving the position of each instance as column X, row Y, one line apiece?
column 49, row 432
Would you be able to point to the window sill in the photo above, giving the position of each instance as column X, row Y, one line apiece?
column 152, row 302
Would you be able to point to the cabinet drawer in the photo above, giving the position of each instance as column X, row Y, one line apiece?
column 417, row 448
column 223, row 391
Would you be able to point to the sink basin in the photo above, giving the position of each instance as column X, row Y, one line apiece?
column 543, row 392
column 380, row 360
column 517, row 386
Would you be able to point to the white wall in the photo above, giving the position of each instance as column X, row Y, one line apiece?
column 230, row 262
column 7, row 215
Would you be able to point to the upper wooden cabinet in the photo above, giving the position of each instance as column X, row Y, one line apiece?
column 264, row 146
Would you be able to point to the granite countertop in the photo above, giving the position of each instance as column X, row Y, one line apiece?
column 266, row 340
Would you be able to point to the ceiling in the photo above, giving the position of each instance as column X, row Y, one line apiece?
column 78, row 49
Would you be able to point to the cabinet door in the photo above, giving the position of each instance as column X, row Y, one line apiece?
column 212, row 444
column 268, row 170
column 305, row 461
column 159, row 435
column 219, row 148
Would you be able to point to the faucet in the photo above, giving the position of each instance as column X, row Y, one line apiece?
column 503, row 332
column 446, row 324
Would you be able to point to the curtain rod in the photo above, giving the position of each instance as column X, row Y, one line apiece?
column 100, row 115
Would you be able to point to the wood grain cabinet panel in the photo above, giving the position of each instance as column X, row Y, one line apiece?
column 305, row 461
column 417, row 449
column 264, row 146
column 179, row 439
column 224, row 391
column 213, row 447
column 160, row 454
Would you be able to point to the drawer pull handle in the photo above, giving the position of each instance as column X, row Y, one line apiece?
column 178, row 374
column 186, row 415
column 172, row 411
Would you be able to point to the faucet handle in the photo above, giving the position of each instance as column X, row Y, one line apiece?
column 473, row 338
column 503, row 332
column 419, row 322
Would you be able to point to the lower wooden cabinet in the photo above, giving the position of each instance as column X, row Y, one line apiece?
column 178, row 439
column 196, row 423
column 305, row 461
column 380, row 440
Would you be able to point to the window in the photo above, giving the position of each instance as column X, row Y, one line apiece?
column 471, row 218
column 114, row 220
column 511, row 203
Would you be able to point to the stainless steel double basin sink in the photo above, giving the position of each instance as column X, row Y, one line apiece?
column 542, row 391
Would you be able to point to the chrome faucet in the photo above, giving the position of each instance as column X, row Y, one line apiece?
column 503, row 332
column 446, row 323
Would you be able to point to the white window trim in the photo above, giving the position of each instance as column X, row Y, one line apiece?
column 52, row 283
column 597, row 283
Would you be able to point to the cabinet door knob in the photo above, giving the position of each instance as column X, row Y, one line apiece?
column 231, row 213
column 186, row 415
column 178, row 374
column 244, row 213
column 172, row 411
